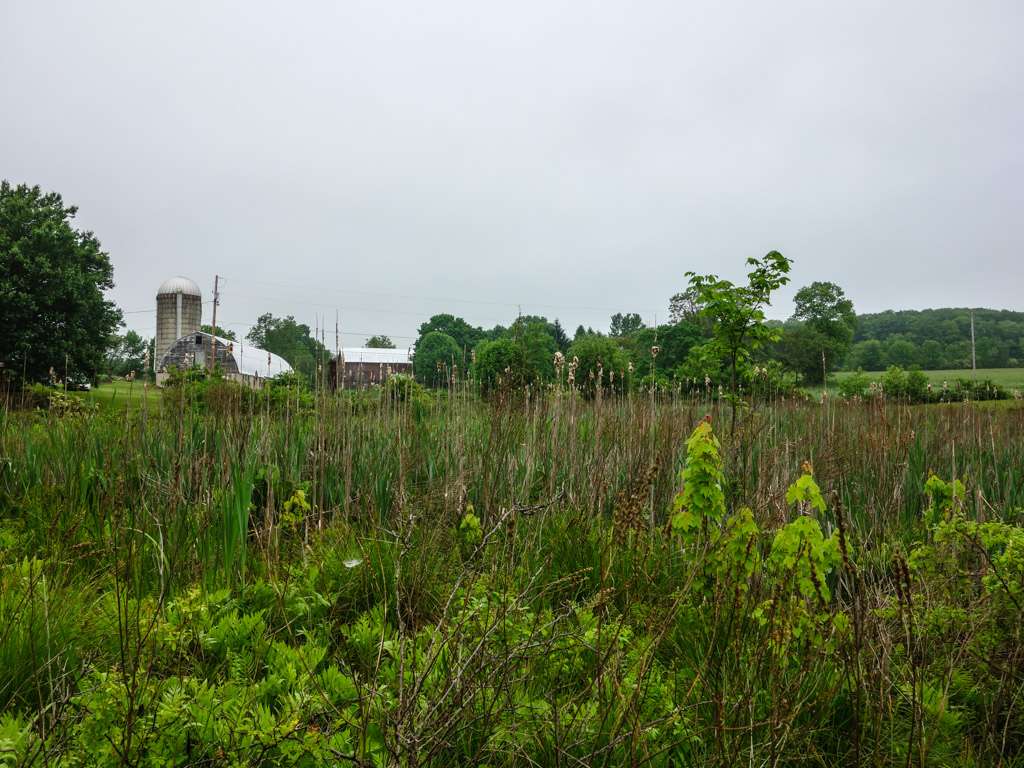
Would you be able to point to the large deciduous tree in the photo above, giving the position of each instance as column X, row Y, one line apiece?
column 599, row 363
column 466, row 336
column 625, row 324
column 821, row 330
column 52, row 283
column 521, row 355
column 127, row 355
column 291, row 340
column 435, row 357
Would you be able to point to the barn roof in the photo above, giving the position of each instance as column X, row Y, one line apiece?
column 249, row 360
column 375, row 355
column 253, row 361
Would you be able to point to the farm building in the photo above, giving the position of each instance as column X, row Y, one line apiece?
column 179, row 311
column 361, row 367
column 237, row 361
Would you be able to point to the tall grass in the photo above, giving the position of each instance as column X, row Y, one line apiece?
column 109, row 518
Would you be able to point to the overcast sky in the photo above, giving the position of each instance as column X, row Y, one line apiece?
column 391, row 160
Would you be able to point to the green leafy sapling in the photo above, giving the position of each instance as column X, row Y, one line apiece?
column 701, row 502
column 944, row 499
column 470, row 533
column 798, row 566
column 699, row 510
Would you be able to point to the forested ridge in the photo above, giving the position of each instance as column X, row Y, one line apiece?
column 937, row 339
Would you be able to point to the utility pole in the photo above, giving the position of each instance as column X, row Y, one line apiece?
column 974, row 358
column 337, row 350
column 213, row 336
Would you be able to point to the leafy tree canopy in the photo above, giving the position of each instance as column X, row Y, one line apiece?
column 127, row 355
column 737, row 312
column 52, row 283
column 220, row 333
column 684, row 306
column 291, row 340
column 435, row 355
column 600, row 363
column 466, row 336
column 819, row 335
column 941, row 339
column 380, row 342
column 624, row 325
column 673, row 343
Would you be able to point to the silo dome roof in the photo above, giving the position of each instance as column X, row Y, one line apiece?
column 179, row 285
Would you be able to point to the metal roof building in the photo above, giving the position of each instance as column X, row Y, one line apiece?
column 376, row 355
column 237, row 360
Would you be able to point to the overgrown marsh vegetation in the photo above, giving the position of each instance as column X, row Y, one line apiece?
column 411, row 578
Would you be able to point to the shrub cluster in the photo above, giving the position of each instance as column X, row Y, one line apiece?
column 912, row 386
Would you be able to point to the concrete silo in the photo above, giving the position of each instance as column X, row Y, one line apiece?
column 179, row 311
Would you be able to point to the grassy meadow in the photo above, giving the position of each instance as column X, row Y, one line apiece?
column 410, row 578
column 122, row 395
column 1010, row 378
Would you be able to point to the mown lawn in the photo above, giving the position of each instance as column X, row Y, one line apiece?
column 123, row 395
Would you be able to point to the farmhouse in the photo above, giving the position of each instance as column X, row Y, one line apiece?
column 238, row 361
column 361, row 367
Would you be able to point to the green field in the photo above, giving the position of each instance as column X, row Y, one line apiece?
column 1011, row 378
column 122, row 395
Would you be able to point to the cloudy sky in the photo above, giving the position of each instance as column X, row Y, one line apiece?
column 390, row 160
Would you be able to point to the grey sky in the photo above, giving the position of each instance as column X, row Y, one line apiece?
column 393, row 160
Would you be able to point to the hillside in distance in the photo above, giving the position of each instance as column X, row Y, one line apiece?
column 937, row 339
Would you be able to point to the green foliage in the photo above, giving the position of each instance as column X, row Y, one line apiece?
column 943, row 498
column 806, row 495
column 127, row 355
column 436, row 356
column 913, row 387
column 380, row 342
column 938, row 339
column 672, row 344
column 800, row 551
column 868, row 355
column 737, row 312
column 56, row 401
column 52, row 283
column 202, row 391
column 597, row 363
column 856, row 385
column 220, row 333
column 701, row 502
column 308, row 587
column 818, row 337
column 465, row 336
column 522, row 357
column 625, row 324
column 470, row 533
column 500, row 364
column 402, row 388
column 291, row 340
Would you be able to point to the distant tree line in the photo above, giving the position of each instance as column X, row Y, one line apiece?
column 937, row 339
